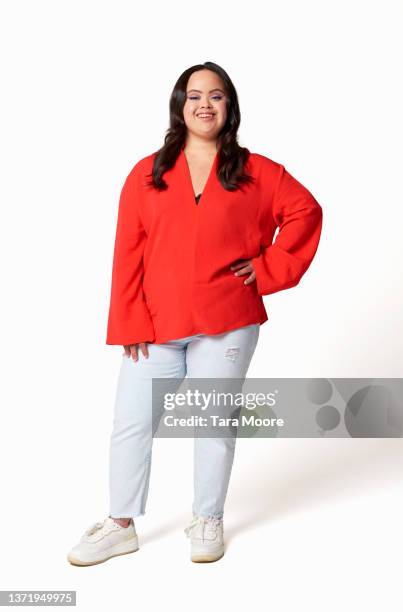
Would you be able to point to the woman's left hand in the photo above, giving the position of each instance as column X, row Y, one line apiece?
column 244, row 267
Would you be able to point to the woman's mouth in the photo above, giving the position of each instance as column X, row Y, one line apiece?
column 206, row 116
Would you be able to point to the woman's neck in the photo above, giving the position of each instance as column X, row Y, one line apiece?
column 200, row 148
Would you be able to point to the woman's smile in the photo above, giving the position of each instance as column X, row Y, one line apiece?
column 206, row 117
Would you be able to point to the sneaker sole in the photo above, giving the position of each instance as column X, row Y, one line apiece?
column 206, row 558
column 81, row 563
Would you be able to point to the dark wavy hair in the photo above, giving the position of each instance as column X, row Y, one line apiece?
column 232, row 158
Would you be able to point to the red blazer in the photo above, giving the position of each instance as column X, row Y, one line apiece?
column 171, row 273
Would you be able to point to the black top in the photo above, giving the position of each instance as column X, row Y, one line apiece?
column 197, row 198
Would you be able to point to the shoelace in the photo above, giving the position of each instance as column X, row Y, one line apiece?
column 213, row 522
column 97, row 526
column 91, row 530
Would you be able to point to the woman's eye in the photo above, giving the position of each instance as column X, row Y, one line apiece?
column 197, row 98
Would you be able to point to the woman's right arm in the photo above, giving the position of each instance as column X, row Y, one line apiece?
column 129, row 320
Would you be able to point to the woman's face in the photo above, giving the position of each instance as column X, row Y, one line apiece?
column 205, row 109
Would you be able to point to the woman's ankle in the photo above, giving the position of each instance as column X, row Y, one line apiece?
column 123, row 522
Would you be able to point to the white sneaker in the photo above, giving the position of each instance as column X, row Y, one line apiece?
column 207, row 538
column 102, row 541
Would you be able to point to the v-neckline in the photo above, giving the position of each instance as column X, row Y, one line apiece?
column 189, row 176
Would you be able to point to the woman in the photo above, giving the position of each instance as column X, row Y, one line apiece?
column 193, row 257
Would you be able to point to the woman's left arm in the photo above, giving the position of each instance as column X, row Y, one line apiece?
column 298, row 216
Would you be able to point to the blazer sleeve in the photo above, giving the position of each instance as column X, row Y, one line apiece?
column 129, row 320
column 298, row 216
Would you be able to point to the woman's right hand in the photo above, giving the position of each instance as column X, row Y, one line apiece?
column 131, row 350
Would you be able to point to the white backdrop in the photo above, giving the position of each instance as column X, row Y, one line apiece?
column 85, row 95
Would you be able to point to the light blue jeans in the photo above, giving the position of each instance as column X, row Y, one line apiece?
column 225, row 355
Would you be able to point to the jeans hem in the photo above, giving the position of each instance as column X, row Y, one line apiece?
column 218, row 515
column 133, row 516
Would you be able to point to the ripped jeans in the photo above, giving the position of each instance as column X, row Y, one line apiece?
column 225, row 355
